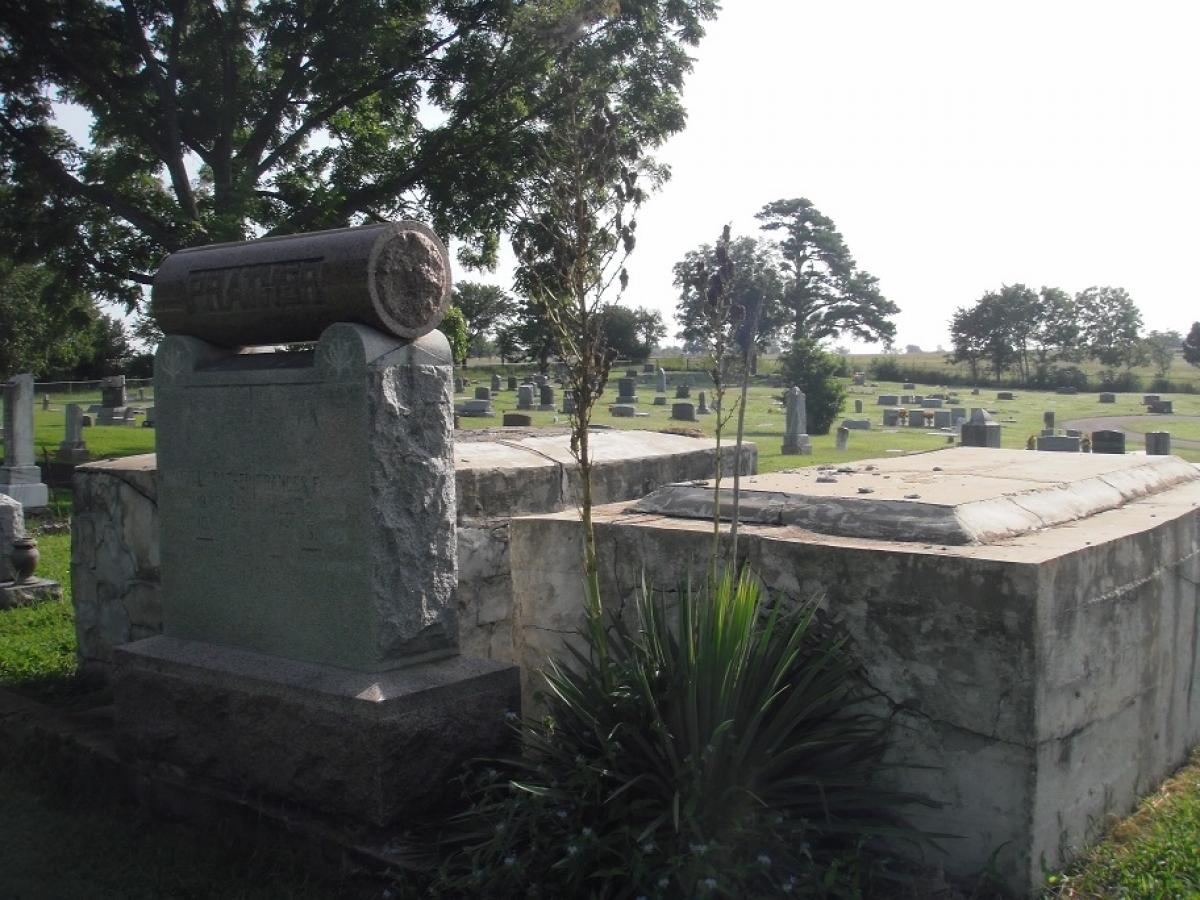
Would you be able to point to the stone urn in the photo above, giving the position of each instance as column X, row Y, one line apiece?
column 24, row 558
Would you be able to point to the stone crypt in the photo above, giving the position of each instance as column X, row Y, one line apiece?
column 1030, row 617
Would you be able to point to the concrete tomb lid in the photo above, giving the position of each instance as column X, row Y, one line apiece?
column 963, row 495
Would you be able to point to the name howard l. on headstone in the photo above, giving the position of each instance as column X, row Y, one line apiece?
column 308, row 547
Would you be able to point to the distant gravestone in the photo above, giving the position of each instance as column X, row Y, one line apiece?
column 916, row 419
column 702, row 407
column 20, row 477
column 623, row 410
column 932, row 403
column 1162, row 407
column 546, row 398
column 683, row 412
column 660, row 399
column 891, row 418
column 843, row 437
column 482, row 393
column 1058, row 443
column 887, row 400
column 908, row 386
column 112, row 391
column 1108, row 441
column 476, row 408
column 516, row 420
column 459, row 384
column 1004, row 395
column 1107, row 397
column 512, row 382
column 858, row 406
column 1150, row 399
column 45, row 402
column 857, row 424
column 496, row 384
column 568, row 404
column 860, row 378
column 1158, row 443
column 627, row 390
column 525, row 397
column 943, row 418
column 72, row 449
column 1048, row 422
column 980, row 430
column 683, row 391
column 795, row 436
column 631, row 373
column 662, row 380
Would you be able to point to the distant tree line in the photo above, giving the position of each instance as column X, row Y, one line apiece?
column 1040, row 338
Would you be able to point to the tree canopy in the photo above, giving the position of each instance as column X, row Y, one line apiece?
column 805, row 285
column 827, row 294
column 223, row 121
column 1191, row 345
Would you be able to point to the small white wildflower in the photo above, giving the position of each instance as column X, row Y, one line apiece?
column 648, row 847
column 562, row 813
column 587, row 832
column 499, row 827
column 664, row 881
column 572, row 850
column 511, row 716
column 763, row 859
column 710, row 883
column 698, row 849
column 510, row 860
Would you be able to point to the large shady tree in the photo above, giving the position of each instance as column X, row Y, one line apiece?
column 216, row 120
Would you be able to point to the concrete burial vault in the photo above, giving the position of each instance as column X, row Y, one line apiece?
column 1030, row 617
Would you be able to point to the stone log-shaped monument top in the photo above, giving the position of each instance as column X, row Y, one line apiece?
column 393, row 277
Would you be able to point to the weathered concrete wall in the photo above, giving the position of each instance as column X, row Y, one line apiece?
column 114, row 544
column 114, row 557
column 1047, row 680
column 499, row 479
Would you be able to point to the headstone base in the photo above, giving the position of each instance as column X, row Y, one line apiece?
column 29, row 593
column 797, row 445
column 660, row 399
column 24, row 484
column 374, row 746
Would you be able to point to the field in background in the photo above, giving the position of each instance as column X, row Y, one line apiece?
column 1020, row 418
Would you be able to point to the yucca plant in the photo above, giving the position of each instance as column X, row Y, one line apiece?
column 718, row 748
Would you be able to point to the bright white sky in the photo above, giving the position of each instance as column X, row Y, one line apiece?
column 958, row 146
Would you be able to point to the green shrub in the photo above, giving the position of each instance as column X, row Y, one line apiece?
column 814, row 371
column 720, row 749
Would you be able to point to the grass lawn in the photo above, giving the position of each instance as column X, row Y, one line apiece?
column 1020, row 418
column 55, row 843
column 1153, row 853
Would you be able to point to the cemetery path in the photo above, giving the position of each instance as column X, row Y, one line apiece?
column 1135, row 427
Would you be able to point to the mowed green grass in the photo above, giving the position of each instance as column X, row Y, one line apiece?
column 1020, row 418
column 1154, row 853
